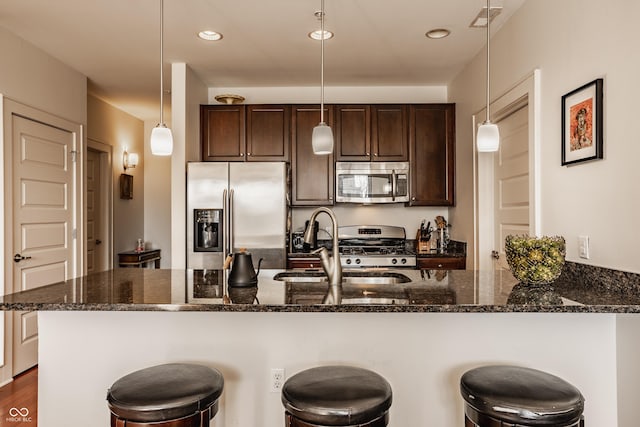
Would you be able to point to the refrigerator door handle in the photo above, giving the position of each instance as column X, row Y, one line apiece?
column 225, row 226
column 231, row 221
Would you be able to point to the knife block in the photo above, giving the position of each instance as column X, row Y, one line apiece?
column 423, row 243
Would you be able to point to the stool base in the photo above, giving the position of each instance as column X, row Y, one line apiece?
column 473, row 418
column 291, row 421
column 199, row 419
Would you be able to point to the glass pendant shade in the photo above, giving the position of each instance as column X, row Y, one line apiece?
column 322, row 139
column 488, row 138
column 161, row 141
column 161, row 137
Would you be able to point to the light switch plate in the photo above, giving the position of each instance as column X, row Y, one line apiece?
column 583, row 247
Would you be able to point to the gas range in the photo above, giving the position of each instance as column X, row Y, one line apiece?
column 374, row 246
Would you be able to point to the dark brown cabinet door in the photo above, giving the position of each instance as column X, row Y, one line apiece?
column 353, row 132
column 372, row 133
column 222, row 134
column 268, row 130
column 432, row 155
column 389, row 133
column 312, row 176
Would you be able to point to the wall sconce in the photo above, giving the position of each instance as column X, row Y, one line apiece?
column 129, row 160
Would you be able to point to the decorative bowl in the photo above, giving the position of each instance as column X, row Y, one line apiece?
column 229, row 98
column 535, row 260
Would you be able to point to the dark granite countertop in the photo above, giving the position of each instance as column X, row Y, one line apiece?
column 578, row 290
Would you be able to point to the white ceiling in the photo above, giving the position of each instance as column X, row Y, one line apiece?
column 115, row 43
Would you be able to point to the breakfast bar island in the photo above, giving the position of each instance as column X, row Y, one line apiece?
column 421, row 330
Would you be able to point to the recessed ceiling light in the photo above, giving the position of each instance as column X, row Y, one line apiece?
column 317, row 35
column 438, row 33
column 209, row 35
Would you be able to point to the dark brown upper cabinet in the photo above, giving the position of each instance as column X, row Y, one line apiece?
column 222, row 134
column 432, row 154
column 245, row 132
column 376, row 132
column 312, row 182
column 268, row 132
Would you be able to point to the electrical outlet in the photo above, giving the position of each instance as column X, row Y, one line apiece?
column 277, row 379
column 583, row 247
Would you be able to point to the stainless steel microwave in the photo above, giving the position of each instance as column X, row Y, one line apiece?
column 372, row 182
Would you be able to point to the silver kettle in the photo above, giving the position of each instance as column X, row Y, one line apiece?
column 242, row 274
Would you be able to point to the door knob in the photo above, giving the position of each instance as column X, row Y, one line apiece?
column 98, row 241
column 18, row 257
column 495, row 255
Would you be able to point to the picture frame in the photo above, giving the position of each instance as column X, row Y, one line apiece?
column 582, row 133
column 126, row 186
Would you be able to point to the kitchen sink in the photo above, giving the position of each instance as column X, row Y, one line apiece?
column 374, row 301
column 352, row 293
column 348, row 277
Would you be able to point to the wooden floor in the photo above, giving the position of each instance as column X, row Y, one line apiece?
column 19, row 400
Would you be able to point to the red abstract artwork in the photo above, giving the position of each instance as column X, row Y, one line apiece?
column 581, row 125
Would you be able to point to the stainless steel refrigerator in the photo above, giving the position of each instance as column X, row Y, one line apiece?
column 236, row 205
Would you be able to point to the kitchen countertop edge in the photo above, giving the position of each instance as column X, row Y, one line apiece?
column 342, row 308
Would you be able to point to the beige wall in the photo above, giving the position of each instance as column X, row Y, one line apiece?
column 114, row 127
column 31, row 77
column 581, row 40
column 187, row 93
column 157, row 198
column 34, row 78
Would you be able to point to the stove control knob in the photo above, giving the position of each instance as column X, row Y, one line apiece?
column 394, row 261
column 404, row 260
column 348, row 261
column 357, row 260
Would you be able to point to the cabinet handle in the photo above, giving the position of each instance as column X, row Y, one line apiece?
column 241, row 154
column 439, row 265
column 367, row 154
column 375, row 154
column 413, row 198
column 248, row 154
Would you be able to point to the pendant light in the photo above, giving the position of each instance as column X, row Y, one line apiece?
column 322, row 137
column 488, row 138
column 161, row 138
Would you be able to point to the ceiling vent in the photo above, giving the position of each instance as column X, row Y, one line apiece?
column 480, row 21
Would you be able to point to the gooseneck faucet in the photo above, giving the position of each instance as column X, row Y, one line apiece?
column 330, row 265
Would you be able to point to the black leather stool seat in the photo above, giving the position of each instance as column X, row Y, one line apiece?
column 165, row 392
column 336, row 396
column 521, row 396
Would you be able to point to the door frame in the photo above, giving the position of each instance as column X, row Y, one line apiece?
column 525, row 92
column 106, row 191
column 9, row 108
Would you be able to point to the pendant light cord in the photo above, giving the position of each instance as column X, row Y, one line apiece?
column 488, row 19
column 161, row 61
column 321, row 61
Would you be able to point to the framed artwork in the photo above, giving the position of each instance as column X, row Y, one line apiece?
column 126, row 186
column 582, row 124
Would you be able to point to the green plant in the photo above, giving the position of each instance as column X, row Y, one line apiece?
column 535, row 260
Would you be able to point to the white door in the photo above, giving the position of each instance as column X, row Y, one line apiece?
column 43, row 194
column 511, row 181
column 507, row 183
column 96, row 242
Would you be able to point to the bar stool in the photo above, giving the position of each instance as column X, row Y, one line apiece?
column 497, row 396
column 170, row 395
column 336, row 396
